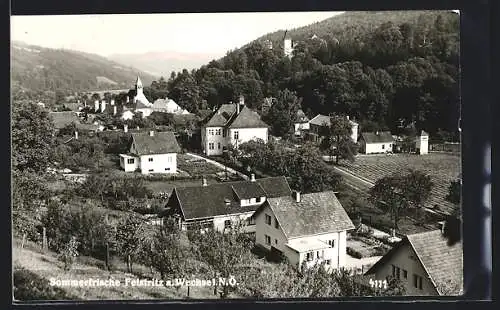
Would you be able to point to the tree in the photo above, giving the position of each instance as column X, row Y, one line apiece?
column 283, row 113
column 338, row 138
column 398, row 192
column 453, row 223
column 32, row 139
column 129, row 237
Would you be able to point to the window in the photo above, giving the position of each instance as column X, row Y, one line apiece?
column 150, row 159
column 258, row 199
column 236, row 135
column 227, row 224
column 268, row 219
column 328, row 262
column 390, row 144
column 218, row 145
column 276, row 224
column 383, row 146
column 268, row 240
column 151, row 170
column 317, row 255
column 275, row 241
column 405, row 274
column 331, row 243
column 211, row 132
column 417, row 281
column 167, row 169
column 310, row 256
column 218, row 131
column 210, row 146
column 251, row 220
column 130, row 161
column 396, row 272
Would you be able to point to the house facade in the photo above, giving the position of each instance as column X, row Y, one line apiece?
column 232, row 124
column 301, row 123
column 307, row 229
column 378, row 142
column 153, row 152
column 425, row 264
column 223, row 205
column 320, row 123
column 422, row 143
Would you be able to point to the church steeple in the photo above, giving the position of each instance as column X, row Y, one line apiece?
column 138, row 83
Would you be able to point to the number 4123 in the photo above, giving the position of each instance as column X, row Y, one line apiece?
column 378, row 283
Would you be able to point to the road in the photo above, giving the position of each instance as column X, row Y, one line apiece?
column 353, row 181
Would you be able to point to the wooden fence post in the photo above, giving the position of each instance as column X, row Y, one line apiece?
column 24, row 239
column 107, row 255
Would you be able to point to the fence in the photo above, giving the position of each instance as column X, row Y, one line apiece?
column 449, row 147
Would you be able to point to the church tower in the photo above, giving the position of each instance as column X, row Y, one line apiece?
column 138, row 86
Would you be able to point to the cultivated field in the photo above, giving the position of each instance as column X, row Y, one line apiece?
column 443, row 168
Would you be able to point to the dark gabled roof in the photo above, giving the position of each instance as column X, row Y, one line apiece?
column 316, row 213
column 222, row 116
column 209, row 201
column 73, row 106
column 160, row 143
column 63, row 119
column 247, row 119
column 381, row 137
column 275, row 186
column 442, row 262
column 141, row 105
column 248, row 190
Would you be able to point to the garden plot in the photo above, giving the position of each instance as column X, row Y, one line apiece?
column 443, row 168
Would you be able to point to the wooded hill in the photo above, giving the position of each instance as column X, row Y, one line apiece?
column 39, row 69
column 385, row 69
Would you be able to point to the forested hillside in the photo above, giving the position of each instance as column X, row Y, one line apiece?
column 384, row 69
column 41, row 72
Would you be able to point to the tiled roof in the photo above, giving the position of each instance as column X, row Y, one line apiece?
column 374, row 137
column 222, row 116
column 160, row 143
column 442, row 262
column 62, row 119
column 247, row 119
column 210, row 200
column 316, row 213
column 323, row 120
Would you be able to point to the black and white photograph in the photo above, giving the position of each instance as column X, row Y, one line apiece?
column 215, row 156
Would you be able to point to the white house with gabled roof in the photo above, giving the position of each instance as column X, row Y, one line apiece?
column 309, row 228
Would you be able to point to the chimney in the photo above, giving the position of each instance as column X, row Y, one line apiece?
column 204, row 182
column 112, row 101
column 237, row 108
column 76, row 135
column 125, row 128
column 297, row 196
column 252, row 177
column 151, row 133
column 114, row 110
column 242, row 100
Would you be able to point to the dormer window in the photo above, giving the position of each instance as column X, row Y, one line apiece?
column 227, row 202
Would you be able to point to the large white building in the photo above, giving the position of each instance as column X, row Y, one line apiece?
column 232, row 124
column 310, row 228
column 320, row 122
column 153, row 152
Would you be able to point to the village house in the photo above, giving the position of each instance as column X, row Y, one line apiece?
column 232, row 124
column 320, row 123
column 301, row 123
column 168, row 105
column 376, row 142
column 223, row 205
column 153, row 152
column 63, row 119
column 425, row 264
column 310, row 228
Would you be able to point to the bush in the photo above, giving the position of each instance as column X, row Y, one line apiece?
column 30, row 286
column 354, row 253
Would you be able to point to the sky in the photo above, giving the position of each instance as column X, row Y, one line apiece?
column 197, row 33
